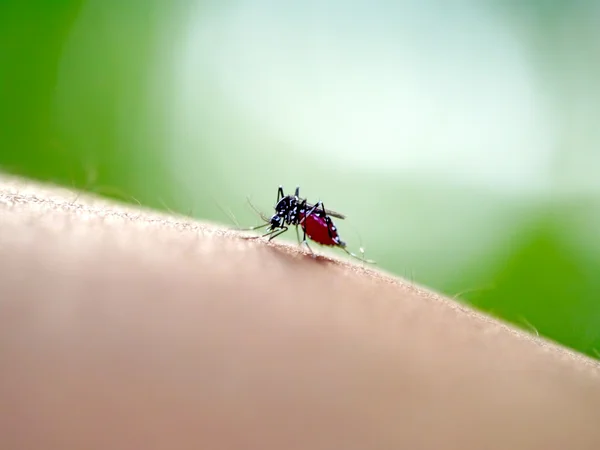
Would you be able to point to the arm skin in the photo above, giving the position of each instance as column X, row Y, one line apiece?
column 122, row 328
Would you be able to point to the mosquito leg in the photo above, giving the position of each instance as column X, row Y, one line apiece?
column 305, row 242
column 268, row 233
column 273, row 235
column 330, row 226
column 340, row 244
column 368, row 261
column 312, row 210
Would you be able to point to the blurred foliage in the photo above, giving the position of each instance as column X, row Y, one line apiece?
column 77, row 142
column 33, row 35
column 87, row 93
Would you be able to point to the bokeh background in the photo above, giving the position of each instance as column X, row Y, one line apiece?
column 460, row 138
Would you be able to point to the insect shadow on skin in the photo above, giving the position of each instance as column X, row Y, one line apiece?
column 289, row 256
column 314, row 220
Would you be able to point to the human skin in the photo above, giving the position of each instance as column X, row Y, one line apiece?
column 123, row 328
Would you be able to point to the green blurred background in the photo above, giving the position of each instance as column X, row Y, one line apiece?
column 460, row 138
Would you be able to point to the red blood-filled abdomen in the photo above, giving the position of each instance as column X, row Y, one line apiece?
column 320, row 229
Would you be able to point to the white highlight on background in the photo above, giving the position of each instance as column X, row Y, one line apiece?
column 423, row 90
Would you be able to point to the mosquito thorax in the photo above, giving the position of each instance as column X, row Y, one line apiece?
column 287, row 209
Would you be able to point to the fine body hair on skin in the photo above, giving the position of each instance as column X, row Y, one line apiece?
column 122, row 327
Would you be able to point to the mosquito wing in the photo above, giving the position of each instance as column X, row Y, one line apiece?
column 329, row 212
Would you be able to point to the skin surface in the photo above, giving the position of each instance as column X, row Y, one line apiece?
column 122, row 328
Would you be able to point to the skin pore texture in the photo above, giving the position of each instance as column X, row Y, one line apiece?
column 124, row 328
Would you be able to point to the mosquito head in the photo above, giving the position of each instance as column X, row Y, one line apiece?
column 276, row 221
